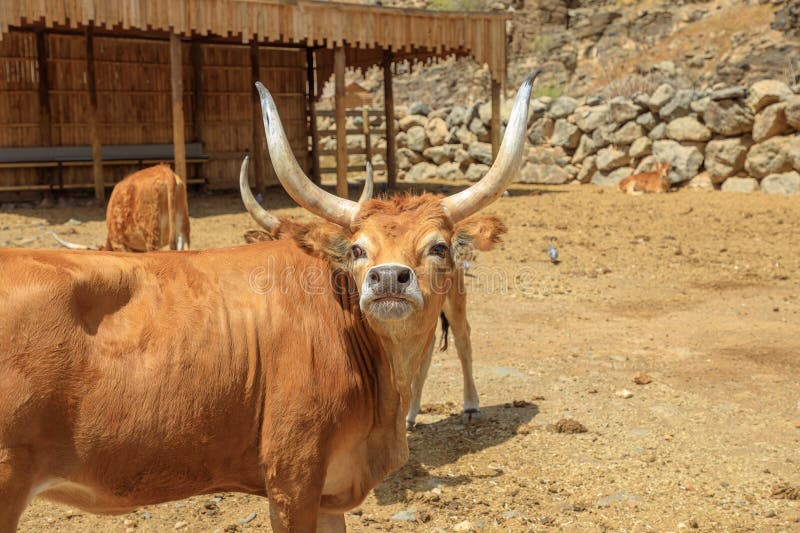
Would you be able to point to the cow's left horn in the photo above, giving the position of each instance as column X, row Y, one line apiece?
column 337, row 210
column 369, row 184
column 265, row 219
column 505, row 166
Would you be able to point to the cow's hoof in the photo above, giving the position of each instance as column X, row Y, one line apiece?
column 470, row 416
column 410, row 425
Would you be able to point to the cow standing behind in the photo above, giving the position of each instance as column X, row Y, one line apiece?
column 281, row 369
column 486, row 231
column 147, row 211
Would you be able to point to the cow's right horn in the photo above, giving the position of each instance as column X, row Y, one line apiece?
column 71, row 245
column 369, row 184
column 340, row 211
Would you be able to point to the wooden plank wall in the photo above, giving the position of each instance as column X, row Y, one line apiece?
column 134, row 101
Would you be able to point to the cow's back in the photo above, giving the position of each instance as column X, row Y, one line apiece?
column 138, row 213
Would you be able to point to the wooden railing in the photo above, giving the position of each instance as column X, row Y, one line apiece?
column 366, row 130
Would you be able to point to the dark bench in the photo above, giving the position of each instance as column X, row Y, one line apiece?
column 59, row 157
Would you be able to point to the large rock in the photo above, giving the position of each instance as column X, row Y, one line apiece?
column 450, row 172
column 417, row 140
column 421, row 171
column 628, row 133
column 623, row 109
column 400, row 140
column 728, row 117
column 441, row 154
column 767, row 92
column 541, row 130
column 740, row 185
column 603, row 136
column 729, row 93
column 786, row 183
column 457, row 117
column 481, row 152
column 647, row 121
column 466, row 137
column 406, row 158
column 437, row 132
column 563, row 106
column 587, row 170
column 641, row 147
column 702, row 182
column 585, row 148
column 476, row 171
column 725, row 157
column 543, row 174
column 658, row 132
column 463, row 158
column 661, row 96
column 792, row 112
column 678, row 106
column 687, row 129
column 684, row 160
column 612, row 178
column 546, row 155
column 589, row 119
column 485, row 113
column 565, row 134
column 610, row 158
column 771, row 121
column 409, row 121
column 773, row 156
column 419, row 108
column 480, row 130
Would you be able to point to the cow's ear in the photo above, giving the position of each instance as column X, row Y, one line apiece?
column 480, row 232
column 255, row 235
column 326, row 241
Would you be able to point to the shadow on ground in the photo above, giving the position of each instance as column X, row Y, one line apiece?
column 444, row 442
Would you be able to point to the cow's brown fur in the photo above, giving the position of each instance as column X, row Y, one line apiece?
column 128, row 380
column 147, row 211
column 648, row 182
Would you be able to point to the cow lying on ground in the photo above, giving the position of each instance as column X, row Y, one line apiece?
column 281, row 369
column 147, row 211
column 656, row 181
column 486, row 231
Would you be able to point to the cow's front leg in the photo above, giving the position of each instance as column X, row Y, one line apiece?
column 416, row 386
column 16, row 485
column 329, row 523
column 455, row 309
column 294, row 491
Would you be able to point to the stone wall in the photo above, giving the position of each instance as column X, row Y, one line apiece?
column 728, row 138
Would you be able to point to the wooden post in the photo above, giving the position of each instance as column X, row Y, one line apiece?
column 312, row 116
column 196, row 55
column 495, row 127
column 45, row 120
column 178, row 126
column 365, row 127
column 341, row 123
column 388, row 106
column 259, row 135
column 94, row 130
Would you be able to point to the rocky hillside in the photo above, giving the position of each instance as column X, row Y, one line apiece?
column 619, row 47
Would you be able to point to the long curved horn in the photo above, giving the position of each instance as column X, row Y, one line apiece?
column 265, row 219
column 337, row 210
column 71, row 245
column 369, row 185
column 505, row 166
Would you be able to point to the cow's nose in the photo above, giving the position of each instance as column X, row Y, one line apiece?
column 391, row 278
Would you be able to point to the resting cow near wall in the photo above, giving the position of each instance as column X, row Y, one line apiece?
column 281, row 369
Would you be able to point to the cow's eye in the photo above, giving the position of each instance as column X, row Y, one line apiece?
column 358, row 252
column 439, row 250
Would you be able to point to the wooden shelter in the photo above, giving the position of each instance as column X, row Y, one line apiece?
column 112, row 85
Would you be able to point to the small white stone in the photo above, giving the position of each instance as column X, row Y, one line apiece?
column 624, row 393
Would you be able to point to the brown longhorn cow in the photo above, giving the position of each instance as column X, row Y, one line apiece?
column 147, row 211
column 486, row 233
column 281, row 369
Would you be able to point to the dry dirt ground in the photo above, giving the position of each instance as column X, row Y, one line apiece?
column 698, row 290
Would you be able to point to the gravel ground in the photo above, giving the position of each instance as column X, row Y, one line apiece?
column 697, row 290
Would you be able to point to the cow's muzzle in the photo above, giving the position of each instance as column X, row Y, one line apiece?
column 390, row 292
